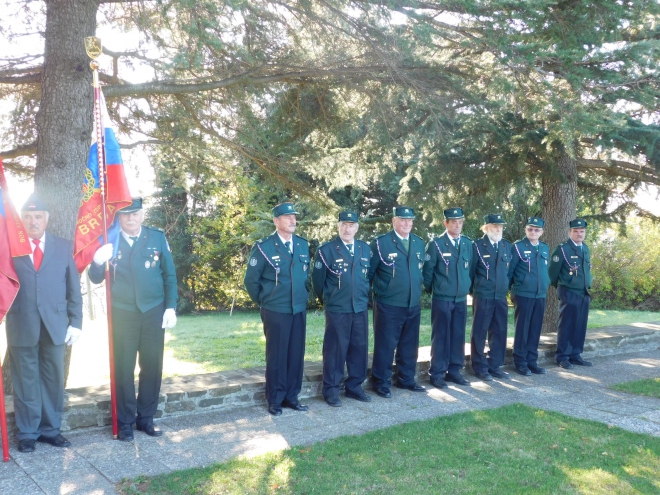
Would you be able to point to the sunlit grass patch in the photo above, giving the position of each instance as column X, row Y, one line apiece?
column 647, row 386
column 514, row 449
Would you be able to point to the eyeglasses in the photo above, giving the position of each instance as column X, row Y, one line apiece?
column 532, row 229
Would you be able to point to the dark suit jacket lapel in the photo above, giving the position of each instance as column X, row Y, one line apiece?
column 25, row 260
column 49, row 250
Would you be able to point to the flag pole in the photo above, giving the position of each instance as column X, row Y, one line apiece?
column 93, row 48
column 3, row 420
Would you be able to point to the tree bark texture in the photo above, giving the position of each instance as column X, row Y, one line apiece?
column 559, row 208
column 64, row 121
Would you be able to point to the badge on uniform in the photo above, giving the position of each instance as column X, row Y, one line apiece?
column 147, row 264
column 427, row 257
column 555, row 258
column 318, row 265
column 392, row 255
column 305, row 267
column 118, row 255
column 253, row 261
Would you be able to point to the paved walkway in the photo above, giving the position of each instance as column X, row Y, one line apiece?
column 95, row 462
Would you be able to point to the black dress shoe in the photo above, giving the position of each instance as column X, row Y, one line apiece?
column 150, row 429
column 359, row 395
column 537, row 370
column 565, row 364
column 383, row 391
column 580, row 362
column 26, row 445
column 125, row 433
column 333, row 401
column 498, row 373
column 523, row 370
column 296, row 406
column 457, row 378
column 483, row 375
column 275, row 409
column 413, row 388
column 56, row 441
column 438, row 382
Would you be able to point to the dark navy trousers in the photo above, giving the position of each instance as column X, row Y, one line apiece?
column 395, row 328
column 448, row 321
column 490, row 316
column 138, row 336
column 528, row 315
column 346, row 341
column 285, row 354
column 573, row 316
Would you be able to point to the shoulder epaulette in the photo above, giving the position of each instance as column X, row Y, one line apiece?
column 326, row 243
column 467, row 238
column 157, row 229
column 300, row 237
column 418, row 237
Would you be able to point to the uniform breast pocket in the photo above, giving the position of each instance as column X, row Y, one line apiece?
column 364, row 267
column 304, row 261
column 150, row 257
column 544, row 258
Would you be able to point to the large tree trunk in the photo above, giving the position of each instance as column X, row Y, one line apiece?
column 559, row 197
column 64, row 121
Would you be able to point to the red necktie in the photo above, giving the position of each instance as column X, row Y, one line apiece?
column 38, row 254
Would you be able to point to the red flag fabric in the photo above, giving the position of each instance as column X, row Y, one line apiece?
column 19, row 243
column 89, row 227
column 10, row 225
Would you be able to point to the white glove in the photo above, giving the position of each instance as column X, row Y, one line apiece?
column 169, row 318
column 103, row 254
column 72, row 334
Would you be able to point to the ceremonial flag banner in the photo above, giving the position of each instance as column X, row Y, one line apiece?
column 89, row 227
column 13, row 242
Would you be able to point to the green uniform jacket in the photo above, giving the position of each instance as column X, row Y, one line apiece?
column 274, row 279
column 528, row 271
column 578, row 281
column 447, row 268
column 143, row 276
column 396, row 274
column 491, row 282
column 340, row 280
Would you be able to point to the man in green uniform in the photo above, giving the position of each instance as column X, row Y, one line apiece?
column 570, row 273
column 276, row 280
column 489, row 271
column 447, row 277
column 144, row 296
column 397, row 259
column 529, row 283
column 340, row 282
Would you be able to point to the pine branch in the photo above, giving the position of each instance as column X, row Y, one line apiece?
column 622, row 169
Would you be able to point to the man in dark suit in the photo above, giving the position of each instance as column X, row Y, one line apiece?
column 276, row 280
column 46, row 314
column 397, row 259
column 570, row 273
column 144, row 296
column 340, row 282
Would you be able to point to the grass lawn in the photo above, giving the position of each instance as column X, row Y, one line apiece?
column 511, row 450
column 217, row 341
column 648, row 386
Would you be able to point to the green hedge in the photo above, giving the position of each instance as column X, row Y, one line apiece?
column 626, row 267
